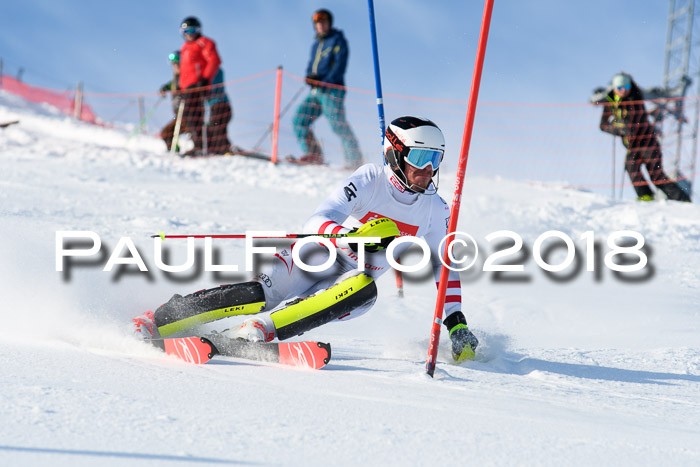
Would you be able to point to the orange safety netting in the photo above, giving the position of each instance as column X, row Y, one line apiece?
column 542, row 143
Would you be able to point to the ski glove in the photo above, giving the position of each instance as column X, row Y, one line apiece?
column 311, row 79
column 615, row 128
column 463, row 343
column 199, row 84
column 383, row 228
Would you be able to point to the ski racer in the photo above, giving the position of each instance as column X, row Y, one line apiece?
column 383, row 202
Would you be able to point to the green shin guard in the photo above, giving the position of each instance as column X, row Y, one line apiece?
column 182, row 313
column 325, row 306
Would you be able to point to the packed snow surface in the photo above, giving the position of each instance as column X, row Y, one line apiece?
column 575, row 367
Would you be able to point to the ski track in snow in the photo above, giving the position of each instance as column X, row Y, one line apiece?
column 592, row 369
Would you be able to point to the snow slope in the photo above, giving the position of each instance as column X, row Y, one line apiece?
column 574, row 368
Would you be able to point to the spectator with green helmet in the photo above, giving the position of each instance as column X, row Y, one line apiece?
column 173, row 88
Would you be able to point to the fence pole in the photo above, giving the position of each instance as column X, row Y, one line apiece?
column 276, row 119
column 78, row 103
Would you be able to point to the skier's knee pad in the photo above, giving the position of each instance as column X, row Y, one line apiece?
column 182, row 313
column 358, row 291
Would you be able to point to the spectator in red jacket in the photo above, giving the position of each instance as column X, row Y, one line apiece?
column 199, row 63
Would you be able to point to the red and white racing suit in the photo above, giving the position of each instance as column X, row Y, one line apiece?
column 369, row 193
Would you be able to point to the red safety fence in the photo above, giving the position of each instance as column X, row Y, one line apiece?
column 540, row 143
column 62, row 100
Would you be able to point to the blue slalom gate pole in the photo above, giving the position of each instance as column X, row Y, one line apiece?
column 380, row 109
column 377, row 75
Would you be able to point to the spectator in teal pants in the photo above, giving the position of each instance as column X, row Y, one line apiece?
column 329, row 56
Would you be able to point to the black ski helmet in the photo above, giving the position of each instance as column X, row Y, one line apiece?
column 191, row 22
column 320, row 15
column 408, row 133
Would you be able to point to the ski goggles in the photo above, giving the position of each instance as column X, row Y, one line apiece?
column 320, row 16
column 192, row 30
column 624, row 86
column 420, row 158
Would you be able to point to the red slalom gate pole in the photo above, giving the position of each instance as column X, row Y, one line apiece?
column 459, row 183
column 276, row 121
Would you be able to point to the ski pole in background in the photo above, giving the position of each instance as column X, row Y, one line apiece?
column 380, row 108
column 622, row 177
column 146, row 118
column 459, row 183
column 613, row 167
column 284, row 111
column 178, row 124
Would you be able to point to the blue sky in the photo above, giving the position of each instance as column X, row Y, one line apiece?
column 539, row 50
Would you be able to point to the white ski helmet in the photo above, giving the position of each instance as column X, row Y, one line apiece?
column 416, row 141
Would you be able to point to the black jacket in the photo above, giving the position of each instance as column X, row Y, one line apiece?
column 629, row 119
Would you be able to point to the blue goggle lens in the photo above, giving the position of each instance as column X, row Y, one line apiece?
column 626, row 86
column 190, row 30
column 420, row 158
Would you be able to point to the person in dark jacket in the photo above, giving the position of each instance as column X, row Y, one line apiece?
column 199, row 63
column 625, row 116
column 173, row 87
column 325, row 74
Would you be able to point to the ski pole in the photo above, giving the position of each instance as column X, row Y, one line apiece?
column 164, row 236
column 148, row 116
column 178, row 124
column 613, row 166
